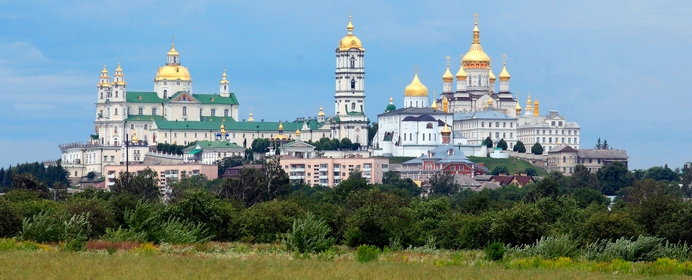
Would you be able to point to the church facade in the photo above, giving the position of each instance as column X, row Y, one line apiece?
column 173, row 113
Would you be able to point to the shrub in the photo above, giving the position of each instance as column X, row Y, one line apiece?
column 495, row 251
column 74, row 229
column 176, row 231
column 41, row 228
column 522, row 224
column 309, row 235
column 265, row 222
column 645, row 248
column 551, row 247
column 367, row 253
column 10, row 221
column 123, row 235
column 101, row 215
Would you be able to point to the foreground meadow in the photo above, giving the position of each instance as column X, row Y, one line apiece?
column 242, row 261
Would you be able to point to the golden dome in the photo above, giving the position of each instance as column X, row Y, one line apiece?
column 447, row 77
column 250, row 118
column 223, row 80
column 528, row 100
column 461, row 75
column 281, row 126
column 118, row 70
column 104, row 71
column 321, row 113
column 504, row 75
column 173, row 72
column 434, row 105
column 535, row 102
column 476, row 58
column 492, row 76
column 134, row 137
column 490, row 101
column 416, row 88
column 518, row 107
column 535, row 108
column 350, row 41
column 297, row 132
column 445, row 130
column 173, row 52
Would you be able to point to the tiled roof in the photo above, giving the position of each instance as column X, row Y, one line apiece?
column 602, row 154
column 488, row 114
column 562, row 149
column 152, row 97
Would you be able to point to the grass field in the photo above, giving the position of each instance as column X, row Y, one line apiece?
column 514, row 165
column 100, row 265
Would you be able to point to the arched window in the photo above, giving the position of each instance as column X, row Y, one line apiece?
column 140, row 111
column 353, row 106
column 225, row 112
column 423, row 135
column 353, row 62
column 213, row 112
column 153, row 111
column 353, row 84
column 102, row 95
column 224, row 87
column 184, row 111
column 128, row 110
column 564, row 159
column 146, row 126
column 165, row 93
column 429, row 125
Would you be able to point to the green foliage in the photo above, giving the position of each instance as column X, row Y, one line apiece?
column 609, row 226
column 519, row 147
column 216, row 217
column 374, row 218
column 260, row 145
column 177, row 231
column 522, row 224
column 514, row 165
column 495, row 251
column 531, row 171
column 73, row 229
column 585, row 197
column 391, row 178
column 10, row 220
column 443, row 184
column 144, row 185
column 549, row 247
column 124, row 235
column 100, row 216
column 537, row 149
column 488, row 142
column 170, row 148
column 500, row 169
column 257, row 185
column 265, row 222
column 664, row 173
column 644, row 248
column 614, row 177
column 27, row 181
column 308, row 235
column 502, row 144
column 367, row 253
column 583, row 178
column 544, row 188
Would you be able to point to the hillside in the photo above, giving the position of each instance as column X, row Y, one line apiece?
column 514, row 165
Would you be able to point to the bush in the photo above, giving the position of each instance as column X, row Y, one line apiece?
column 10, row 221
column 522, row 224
column 175, row 231
column 41, row 228
column 265, row 222
column 101, row 214
column 495, row 251
column 645, row 248
column 367, row 253
column 308, row 235
column 124, row 235
column 73, row 229
column 551, row 247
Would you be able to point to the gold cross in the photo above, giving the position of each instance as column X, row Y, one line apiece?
column 476, row 20
column 447, row 61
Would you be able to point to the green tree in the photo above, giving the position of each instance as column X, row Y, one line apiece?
column 614, row 177
column 544, row 188
column 522, row 224
column 443, row 184
column 500, row 169
column 372, row 132
column 392, row 178
column 502, row 144
column 488, row 142
column 609, row 226
column 649, row 203
column 519, row 147
column 265, row 222
column 531, row 171
column 144, row 185
column 260, row 145
column 346, row 144
column 27, row 181
column 664, row 173
column 587, row 196
column 229, row 162
column 376, row 218
column 583, row 178
column 687, row 178
column 257, row 185
column 198, row 206
column 355, row 182
column 537, row 149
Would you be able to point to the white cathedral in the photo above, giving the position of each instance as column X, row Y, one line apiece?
column 173, row 113
column 474, row 109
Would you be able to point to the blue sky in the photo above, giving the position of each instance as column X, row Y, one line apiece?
column 618, row 68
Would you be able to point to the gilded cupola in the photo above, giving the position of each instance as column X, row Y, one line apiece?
column 173, row 71
column 350, row 41
column 504, row 75
column 416, row 88
column 447, row 77
column 476, row 58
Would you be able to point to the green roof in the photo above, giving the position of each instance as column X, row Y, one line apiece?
column 152, row 97
column 214, row 123
column 211, row 145
column 216, row 99
column 143, row 97
column 95, row 136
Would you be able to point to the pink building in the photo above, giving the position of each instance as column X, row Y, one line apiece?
column 166, row 172
column 331, row 171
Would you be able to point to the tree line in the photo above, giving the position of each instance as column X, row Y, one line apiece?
column 261, row 206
